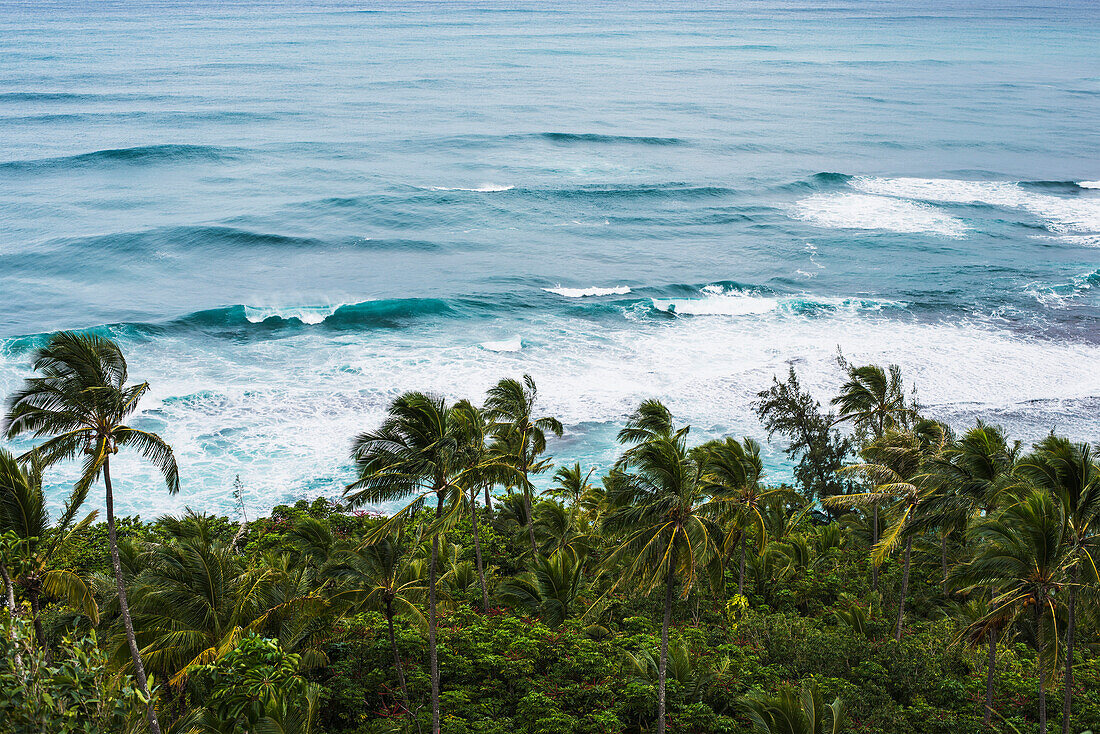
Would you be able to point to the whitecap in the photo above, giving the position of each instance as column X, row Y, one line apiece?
column 1057, row 214
column 305, row 314
column 505, row 345
column 483, row 189
column 1089, row 184
column 863, row 211
column 718, row 304
column 619, row 290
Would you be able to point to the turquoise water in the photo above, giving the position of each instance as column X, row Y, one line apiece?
column 289, row 213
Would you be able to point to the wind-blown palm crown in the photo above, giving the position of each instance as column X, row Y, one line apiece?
column 510, row 408
column 873, row 399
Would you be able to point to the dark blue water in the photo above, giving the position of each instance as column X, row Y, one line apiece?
column 290, row 212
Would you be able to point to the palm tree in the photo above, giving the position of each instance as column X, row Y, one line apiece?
column 974, row 476
column 80, row 402
column 897, row 465
column 474, row 437
column 387, row 576
column 981, row 626
column 659, row 520
column 1025, row 554
column 570, row 485
column 420, row 451
column 510, row 406
column 792, row 712
column 873, row 399
column 23, row 514
column 549, row 590
column 1069, row 473
column 733, row 473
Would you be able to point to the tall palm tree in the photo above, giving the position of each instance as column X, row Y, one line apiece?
column 975, row 475
column 979, row 625
column 570, row 485
column 897, row 464
column 733, row 473
column 474, row 435
column 420, row 451
column 80, row 402
column 510, row 406
column 873, row 400
column 23, row 514
column 1068, row 471
column 659, row 519
column 387, row 576
column 1025, row 553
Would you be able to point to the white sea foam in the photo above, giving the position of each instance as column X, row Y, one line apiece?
column 1089, row 184
column 864, row 211
column 483, row 189
column 1059, row 215
column 281, row 413
column 619, row 290
column 305, row 314
column 718, row 303
column 505, row 345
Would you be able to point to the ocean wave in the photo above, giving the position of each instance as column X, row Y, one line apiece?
column 136, row 156
column 1060, row 215
column 1089, row 184
column 305, row 314
column 619, row 290
column 865, row 211
column 382, row 313
column 484, row 188
column 514, row 344
column 601, row 138
column 1061, row 295
column 736, row 300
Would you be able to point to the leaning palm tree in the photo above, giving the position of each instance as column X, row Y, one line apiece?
column 897, row 466
column 1068, row 471
column 23, row 514
column 386, row 576
column 510, row 406
column 419, row 451
column 1025, row 554
column 659, row 522
column 80, row 403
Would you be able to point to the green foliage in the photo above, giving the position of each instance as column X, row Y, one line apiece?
column 77, row 693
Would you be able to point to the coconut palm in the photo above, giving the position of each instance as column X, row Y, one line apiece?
column 475, row 434
column 659, row 521
column 897, row 466
column 1025, row 553
column 420, row 451
column 23, row 515
column 733, row 473
column 980, row 625
column 1068, row 471
column 79, row 403
column 873, row 400
column 510, row 406
column 795, row 712
column 386, row 576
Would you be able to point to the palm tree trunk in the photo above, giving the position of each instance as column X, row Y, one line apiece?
column 943, row 560
column 397, row 658
column 530, row 515
column 488, row 501
column 874, row 542
column 1071, row 624
column 663, row 664
column 904, row 587
column 433, row 653
column 9, row 597
column 123, row 604
column 741, row 572
column 477, row 553
column 1039, row 667
column 39, row 634
column 991, row 667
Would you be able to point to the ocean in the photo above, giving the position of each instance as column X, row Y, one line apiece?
column 290, row 212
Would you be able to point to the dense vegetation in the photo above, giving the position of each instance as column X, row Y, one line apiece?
column 913, row 579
